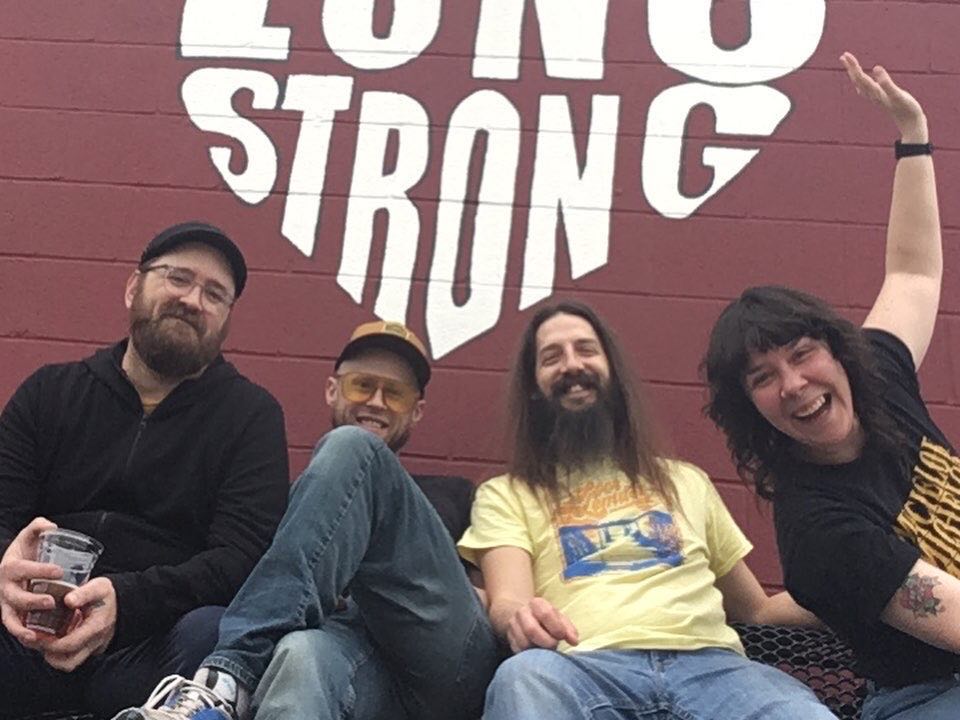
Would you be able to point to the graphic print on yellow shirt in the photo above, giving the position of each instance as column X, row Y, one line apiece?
column 594, row 544
column 930, row 518
column 628, row 570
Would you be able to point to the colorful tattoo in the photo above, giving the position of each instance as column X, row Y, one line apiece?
column 916, row 595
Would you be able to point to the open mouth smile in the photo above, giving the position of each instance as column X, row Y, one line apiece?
column 814, row 409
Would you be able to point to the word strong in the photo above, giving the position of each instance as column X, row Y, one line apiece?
column 577, row 188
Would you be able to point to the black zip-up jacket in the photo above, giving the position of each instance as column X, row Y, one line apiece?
column 185, row 500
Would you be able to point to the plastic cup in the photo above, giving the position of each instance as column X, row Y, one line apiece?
column 75, row 553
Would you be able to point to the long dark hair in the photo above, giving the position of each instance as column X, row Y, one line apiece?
column 635, row 448
column 764, row 318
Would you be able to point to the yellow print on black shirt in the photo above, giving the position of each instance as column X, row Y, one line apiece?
column 930, row 518
column 592, row 544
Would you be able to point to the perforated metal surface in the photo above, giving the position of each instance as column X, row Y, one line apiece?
column 817, row 658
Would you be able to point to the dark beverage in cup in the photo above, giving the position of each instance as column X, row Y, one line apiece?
column 75, row 554
column 57, row 620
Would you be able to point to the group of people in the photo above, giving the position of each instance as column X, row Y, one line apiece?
column 596, row 578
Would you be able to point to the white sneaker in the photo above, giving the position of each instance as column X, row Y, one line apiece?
column 177, row 698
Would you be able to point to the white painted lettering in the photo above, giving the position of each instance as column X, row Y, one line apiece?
column 231, row 29
column 573, row 33
column 783, row 36
column 207, row 95
column 348, row 25
column 584, row 198
column 450, row 325
column 372, row 190
column 751, row 110
column 318, row 97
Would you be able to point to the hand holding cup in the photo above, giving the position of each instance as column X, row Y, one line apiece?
column 75, row 554
column 17, row 568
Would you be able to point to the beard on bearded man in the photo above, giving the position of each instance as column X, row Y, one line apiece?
column 175, row 342
column 574, row 439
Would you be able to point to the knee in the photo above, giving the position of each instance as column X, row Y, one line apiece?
column 349, row 452
column 343, row 449
column 305, row 658
column 529, row 675
column 296, row 649
column 348, row 440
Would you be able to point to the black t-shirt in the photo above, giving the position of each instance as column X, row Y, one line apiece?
column 849, row 534
column 451, row 497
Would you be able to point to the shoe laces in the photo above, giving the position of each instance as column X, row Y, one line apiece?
column 187, row 698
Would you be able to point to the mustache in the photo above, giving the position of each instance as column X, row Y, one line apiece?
column 176, row 309
column 583, row 378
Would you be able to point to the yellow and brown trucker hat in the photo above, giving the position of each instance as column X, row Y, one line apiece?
column 395, row 337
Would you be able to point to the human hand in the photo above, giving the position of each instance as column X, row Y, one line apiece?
column 537, row 623
column 880, row 88
column 93, row 627
column 17, row 569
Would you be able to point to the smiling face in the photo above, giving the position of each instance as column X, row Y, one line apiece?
column 177, row 334
column 386, row 374
column 571, row 365
column 803, row 391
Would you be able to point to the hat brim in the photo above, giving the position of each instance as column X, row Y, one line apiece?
column 417, row 362
column 193, row 232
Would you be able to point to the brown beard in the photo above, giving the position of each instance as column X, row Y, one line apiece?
column 574, row 439
column 166, row 350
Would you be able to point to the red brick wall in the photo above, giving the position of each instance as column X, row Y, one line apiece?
column 98, row 151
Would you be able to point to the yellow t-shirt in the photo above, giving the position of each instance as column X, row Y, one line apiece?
column 628, row 572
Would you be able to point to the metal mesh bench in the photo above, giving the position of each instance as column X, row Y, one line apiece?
column 818, row 658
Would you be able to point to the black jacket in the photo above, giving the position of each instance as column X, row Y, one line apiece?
column 185, row 500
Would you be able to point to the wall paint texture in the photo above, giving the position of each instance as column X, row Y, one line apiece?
column 450, row 165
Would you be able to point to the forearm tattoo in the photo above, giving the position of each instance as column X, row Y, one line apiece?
column 916, row 595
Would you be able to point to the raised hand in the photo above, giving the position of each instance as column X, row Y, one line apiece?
column 880, row 88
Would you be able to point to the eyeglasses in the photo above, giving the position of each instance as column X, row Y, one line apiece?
column 359, row 387
column 181, row 281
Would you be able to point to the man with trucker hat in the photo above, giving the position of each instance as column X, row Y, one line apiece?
column 160, row 450
column 360, row 608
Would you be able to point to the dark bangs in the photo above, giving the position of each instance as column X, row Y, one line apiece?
column 765, row 318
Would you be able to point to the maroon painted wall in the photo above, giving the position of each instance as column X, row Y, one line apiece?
column 98, row 151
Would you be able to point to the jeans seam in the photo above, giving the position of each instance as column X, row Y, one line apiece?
column 324, row 542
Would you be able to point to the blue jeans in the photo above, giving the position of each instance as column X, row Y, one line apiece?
column 934, row 700
column 649, row 684
column 106, row 683
column 357, row 521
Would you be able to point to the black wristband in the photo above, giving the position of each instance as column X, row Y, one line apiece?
column 902, row 150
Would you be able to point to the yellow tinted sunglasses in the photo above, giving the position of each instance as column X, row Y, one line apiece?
column 359, row 387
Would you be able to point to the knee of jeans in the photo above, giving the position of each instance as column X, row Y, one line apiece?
column 531, row 672
column 303, row 649
column 305, row 653
column 293, row 652
column 349, row 439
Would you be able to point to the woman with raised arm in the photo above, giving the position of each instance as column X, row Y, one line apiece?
column 827, row 420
